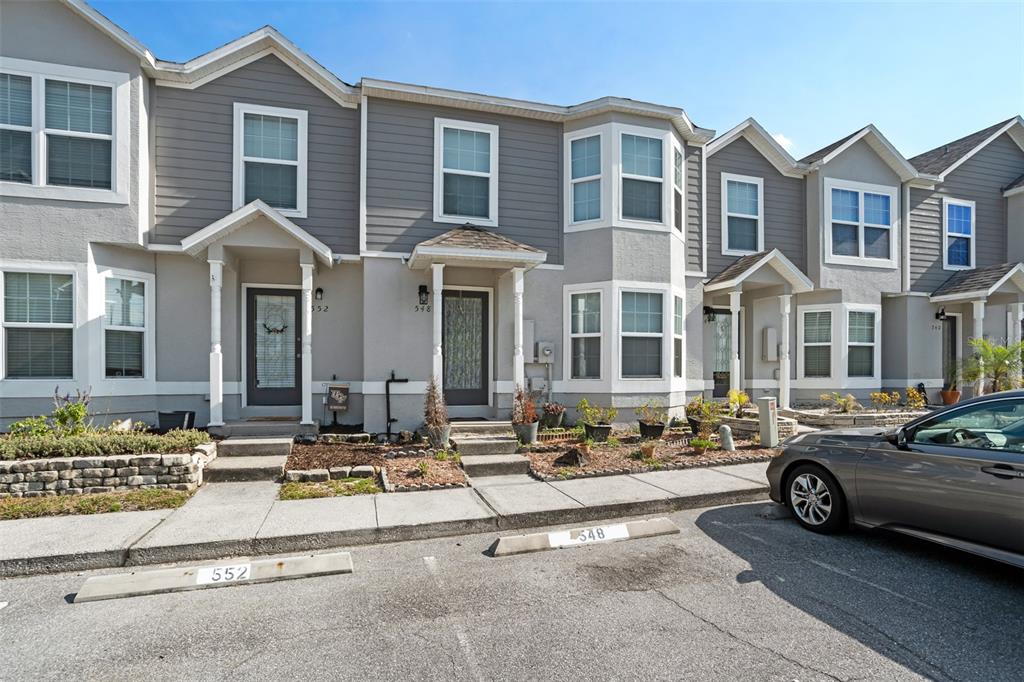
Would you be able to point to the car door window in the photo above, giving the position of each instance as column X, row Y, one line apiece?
column 993, row 425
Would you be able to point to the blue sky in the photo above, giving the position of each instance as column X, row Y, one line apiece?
column 924, row 73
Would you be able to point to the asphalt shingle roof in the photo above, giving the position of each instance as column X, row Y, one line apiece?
column 473, row 237
column 738, row 267
column 969, row 281
column 936, row 161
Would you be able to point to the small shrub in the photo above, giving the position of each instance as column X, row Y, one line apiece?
column 592, row 414
column 31, row 427
column 423, row 467
column 613, row 442
column 101, row 443
column 524, row 409
column 738, row 402
column 916, row 400
column 554, row 409
column 567, row 472
column 457, row 458
column 441, row 456
column 702, row 444
column 652, row 463
column 435, row 411
column 69, row 414
column 844, row 404
column 881, row 399
column 652, row 412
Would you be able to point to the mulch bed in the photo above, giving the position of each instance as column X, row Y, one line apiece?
column 624, row 458
column 325, row 456
column 402, row 474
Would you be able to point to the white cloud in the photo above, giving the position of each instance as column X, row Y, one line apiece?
column 786, row 143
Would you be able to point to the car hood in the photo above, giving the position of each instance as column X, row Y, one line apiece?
column 851, row 437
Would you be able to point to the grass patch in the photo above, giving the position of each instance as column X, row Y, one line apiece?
column 344, row 487
column 100, row 503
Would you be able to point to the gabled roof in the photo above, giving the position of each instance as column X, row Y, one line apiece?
column 871, row 135
column 979, row 283
column 112, row 30
column 757, row 136
column 733, row 276
column 472, row 243
column 947, row 157
column 197, row 242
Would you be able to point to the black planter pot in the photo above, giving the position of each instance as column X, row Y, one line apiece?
column 597, row 432
column 552, row 421
column 526, row 433
column 694, row 424
column 652, row 431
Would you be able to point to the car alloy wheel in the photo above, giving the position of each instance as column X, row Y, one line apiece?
column 811, row 499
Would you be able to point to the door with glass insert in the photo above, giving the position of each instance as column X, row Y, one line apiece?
column 274, row 350
column 465, row 348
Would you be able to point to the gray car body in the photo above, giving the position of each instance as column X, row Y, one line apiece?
column 935, row 492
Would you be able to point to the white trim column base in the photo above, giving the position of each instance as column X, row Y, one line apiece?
column 307, row 343
column 216, row 357
column 437, row 283
column 518, row 363
column 734, row 349
column 978, row 308
column 785, row 306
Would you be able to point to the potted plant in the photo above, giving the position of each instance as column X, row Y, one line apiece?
column 553, row 415
column 435, row 414
column 703, row 415
column 653, row 418
column 647, row 449
column 597, row 421
column 693, row 409
column 950, row 392
column 739, row 401
column 701, row 445
column 524, row 417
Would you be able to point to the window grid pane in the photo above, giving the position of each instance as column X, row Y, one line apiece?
column 818, row 361
column 845, row 205
column 38, row 298
column 15, row 156
column 677, row 357
column 468, row 150
column 876, row 242
column 586, row 200
column 959, row 251
column 271, row 137
column 861, row 361
column 641, row 200
column 641, row 156
column 15, row 100
column 818, row 327
column 125, row 303
column 678, row 317
column 862, row 327
column 123, row 350
column 876, row 209
column 844, row 240
column 39, row 353
column 958, row 219
column 641, row 313
column 742, row 234
column 641, row 357
column 586, row 157
column 466, row 195
column 586, row 357
column 78, row 162
column 275, row 183
column 677, row 168
column 742, row 197
column 79, row 107
column 585, row 313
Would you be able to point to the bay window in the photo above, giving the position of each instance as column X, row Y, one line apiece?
column 270, row 158
column 15, row 128
column 465, row 172
column 124, row 327
column 641, row 335
column 860, row 223
column 678, row 205
column 678, row 361
column 958, row 233
column 38, row 325
column 641, row 178
column 585, row 178
column 585, row 334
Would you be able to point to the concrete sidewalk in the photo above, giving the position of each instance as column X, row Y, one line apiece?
column 238, row 519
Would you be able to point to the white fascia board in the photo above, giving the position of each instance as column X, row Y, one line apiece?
column 882, row 147
column 755, row 133
column 1014, row 126
column 1014, row 191
column 431, row 253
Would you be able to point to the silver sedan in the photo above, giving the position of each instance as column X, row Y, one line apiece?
column 955, row 476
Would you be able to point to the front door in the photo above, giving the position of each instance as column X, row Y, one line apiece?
column 274, row 350
column 721, row 343
column 464, row 346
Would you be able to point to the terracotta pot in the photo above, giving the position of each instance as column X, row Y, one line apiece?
column 652, row 431
column 597, row 432
column 950, row 397
column 647, row 449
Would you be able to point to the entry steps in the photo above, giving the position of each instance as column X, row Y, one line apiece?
column 263, row 428
column 249, row 459
column 488, row 448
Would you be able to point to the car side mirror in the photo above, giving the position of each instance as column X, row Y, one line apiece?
column 897, row 437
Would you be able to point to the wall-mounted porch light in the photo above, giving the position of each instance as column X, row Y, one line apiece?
column 424, row 294
column 941, row 316
column 709, row 314
column 319, row 294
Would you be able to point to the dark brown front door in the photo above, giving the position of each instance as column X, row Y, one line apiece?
column 465, row 348
column 274, row 350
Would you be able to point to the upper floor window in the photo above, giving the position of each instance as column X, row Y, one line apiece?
column 585, row 178
column 585, row 334
column 677, row 188
column 742, row 214
column 38, row 325
column 860, row 223
column 958, row 232
column 270, row 158
column 63, row 132
column 641, row 178
column 641, row 335
column 465, row 172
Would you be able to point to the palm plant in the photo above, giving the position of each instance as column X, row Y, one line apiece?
column 993, row 363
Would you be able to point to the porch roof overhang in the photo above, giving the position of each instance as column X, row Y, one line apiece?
column 981, row 283
column 474, row 246
column 767, row 268
column 195, row 244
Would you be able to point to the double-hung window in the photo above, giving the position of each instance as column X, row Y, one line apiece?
column 641, row 178
column 124, row 335
column 15, row 128
column 64, row 132
column 585, row 178
column 465, row 172
column 270, row 158
column 677, row 337
column 958, row 229
column 860, row 344
column 677, row 189
column 742, row 214
column 817, row 343
column 585, row 334
column 641, row 335
column 861, row 223
column 38, row 325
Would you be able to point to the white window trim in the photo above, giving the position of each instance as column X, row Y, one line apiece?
column 894, row 219
column 839, row 379
column 677, row 148
column 666, row 314
column 440, row 124
column 751, row 180
column 570, row 336
column 239, row 158
column 949, row 201
column 876, row 345
column 832, row 379
column 571, row 182
column 680, row 336
column 148, row 339
column 120, row 132
column 666, row 170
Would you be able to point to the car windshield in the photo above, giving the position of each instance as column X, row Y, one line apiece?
column 998, row 424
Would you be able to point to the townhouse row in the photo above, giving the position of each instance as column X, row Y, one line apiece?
column 235, row 234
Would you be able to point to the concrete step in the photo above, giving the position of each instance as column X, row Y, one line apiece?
column 263, row 428
column 481, row 427
column 485, row 446
column 255, row 447
column 477, row 466
column 232, row 469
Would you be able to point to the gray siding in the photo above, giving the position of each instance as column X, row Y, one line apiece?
column 193, row 140
column 979, row 179
column 694, row 252
column 784, row 204
column 400, row 177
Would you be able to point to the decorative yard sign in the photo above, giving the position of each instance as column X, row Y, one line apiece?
column 337, row 397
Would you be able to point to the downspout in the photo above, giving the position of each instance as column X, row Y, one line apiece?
column 387, row 401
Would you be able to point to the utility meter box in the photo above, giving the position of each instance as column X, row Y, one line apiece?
column 545, row 352
column 537, row 384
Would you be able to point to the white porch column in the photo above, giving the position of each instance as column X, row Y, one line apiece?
column 216, row 357
column 518, row 365
column 785, row 301
column 979, row 332
column 307, row 342
column 437, row 275
column 734, row 365
column 1013, row 335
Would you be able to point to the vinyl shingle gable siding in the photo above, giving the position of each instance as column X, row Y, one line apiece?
column 980, row 179
column 193, row 137
column 400, row 177
column 784, row 222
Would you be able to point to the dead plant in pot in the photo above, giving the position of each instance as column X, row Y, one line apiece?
column 653, row 418
column 554, row 412
column 435, row 414
column 524, row 416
